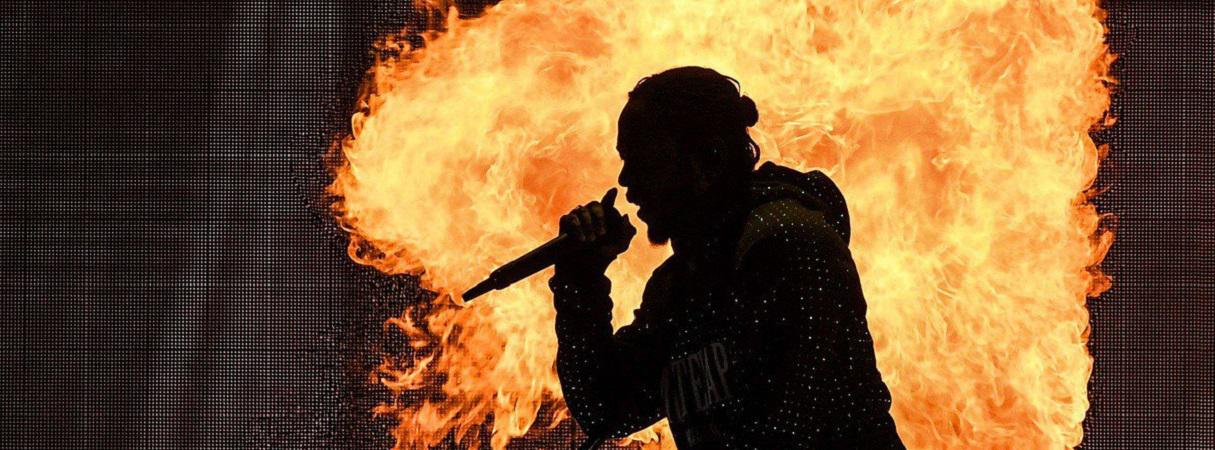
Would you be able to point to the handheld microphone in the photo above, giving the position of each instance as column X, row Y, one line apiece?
column 524, row 266
column 531, row 262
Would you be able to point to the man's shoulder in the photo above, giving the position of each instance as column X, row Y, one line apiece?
column 785, row 223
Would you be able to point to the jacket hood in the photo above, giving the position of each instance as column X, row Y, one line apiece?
column 812, row 189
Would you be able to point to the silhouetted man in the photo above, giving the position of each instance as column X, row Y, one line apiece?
column 753, row 334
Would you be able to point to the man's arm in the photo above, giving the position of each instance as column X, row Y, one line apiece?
column 610, row 381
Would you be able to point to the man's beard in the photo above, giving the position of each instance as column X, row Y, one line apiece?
column 657, row 236
column 658, row 230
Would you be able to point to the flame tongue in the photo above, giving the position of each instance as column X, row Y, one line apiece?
column 956, row 130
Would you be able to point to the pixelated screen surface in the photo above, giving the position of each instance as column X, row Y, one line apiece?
column 172, row 277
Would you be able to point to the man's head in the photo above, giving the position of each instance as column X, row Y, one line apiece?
column 683, row 138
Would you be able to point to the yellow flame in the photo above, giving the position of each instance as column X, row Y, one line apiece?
column 957, row 131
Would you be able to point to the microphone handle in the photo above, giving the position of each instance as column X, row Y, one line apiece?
column 535, row 260
column 524, row 266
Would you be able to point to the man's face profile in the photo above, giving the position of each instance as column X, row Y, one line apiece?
column 656, row 178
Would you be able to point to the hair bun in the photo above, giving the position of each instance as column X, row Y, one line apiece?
column 747, row 111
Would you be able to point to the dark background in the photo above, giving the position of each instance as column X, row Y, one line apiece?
column 170, row 277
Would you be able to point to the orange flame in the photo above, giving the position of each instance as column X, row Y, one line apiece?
column 956, row 129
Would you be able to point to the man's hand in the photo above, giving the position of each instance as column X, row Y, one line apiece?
column 602, row 232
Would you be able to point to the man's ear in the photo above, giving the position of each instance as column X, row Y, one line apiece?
column 704, row 168
column 713, row 162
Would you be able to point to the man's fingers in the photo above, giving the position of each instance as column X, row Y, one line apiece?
column 586, row 223
column 567, row 224
column 576, row 225
column 590, row 221
column 600, row 225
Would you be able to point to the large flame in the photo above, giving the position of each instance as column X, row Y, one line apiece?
column 957, row 130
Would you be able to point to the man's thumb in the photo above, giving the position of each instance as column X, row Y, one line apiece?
column 609, row 198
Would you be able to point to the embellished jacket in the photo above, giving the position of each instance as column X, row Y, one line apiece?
column 755, row 338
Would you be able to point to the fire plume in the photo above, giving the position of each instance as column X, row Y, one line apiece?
column 957, row 130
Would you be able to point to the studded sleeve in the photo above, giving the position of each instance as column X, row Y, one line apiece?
column 609, row 380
